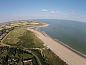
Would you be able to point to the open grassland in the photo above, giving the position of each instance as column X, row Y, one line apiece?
column 23, row 38
column 13, row 36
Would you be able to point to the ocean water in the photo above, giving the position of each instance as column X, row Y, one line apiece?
column 72, row 33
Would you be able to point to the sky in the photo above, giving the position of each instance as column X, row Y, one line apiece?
column 42, row 9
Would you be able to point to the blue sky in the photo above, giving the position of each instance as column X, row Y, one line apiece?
column 45, row 9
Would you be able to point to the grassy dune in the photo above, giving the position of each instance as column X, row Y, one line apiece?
column 52, row 58
column 26, row 39
column 22, row 38
column 13, row 36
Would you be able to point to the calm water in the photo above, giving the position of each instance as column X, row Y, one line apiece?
column 72, row 33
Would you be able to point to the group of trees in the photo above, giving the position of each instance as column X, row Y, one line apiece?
column 14, row 56
column 4, row 31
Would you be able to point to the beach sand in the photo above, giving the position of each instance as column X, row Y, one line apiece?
column 70, row 57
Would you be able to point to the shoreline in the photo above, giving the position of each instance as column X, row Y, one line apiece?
column 64, row 53
column 74, row 50
column 67, row 46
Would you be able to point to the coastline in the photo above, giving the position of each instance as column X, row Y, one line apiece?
column 67, row 57
column 74, row 50
column 67, row 46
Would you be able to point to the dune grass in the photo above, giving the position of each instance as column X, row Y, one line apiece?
column 22, row 38
column 52, row 58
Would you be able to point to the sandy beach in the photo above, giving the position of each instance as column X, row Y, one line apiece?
column 70, row 57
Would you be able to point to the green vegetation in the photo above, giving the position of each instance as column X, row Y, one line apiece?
column 47, row 57
column 15, row 56
column 42, row 59
column 24, row 39
column 13, row 36
column 52, row 58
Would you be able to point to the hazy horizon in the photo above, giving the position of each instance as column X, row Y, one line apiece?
column 42, row 9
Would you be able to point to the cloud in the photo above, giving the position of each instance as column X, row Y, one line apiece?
column 56, row 14
column 44, row 10
column 52, row 11
column 49, row 11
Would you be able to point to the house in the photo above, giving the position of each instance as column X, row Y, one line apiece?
column 28, row 62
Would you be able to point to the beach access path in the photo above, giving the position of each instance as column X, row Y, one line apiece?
column 67, row 55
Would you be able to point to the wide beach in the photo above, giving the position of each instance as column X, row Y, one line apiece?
column 63, row 52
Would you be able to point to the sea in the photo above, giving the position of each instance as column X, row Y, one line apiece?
column 72, row 33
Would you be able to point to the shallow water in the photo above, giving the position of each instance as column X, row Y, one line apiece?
column 72, row 33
